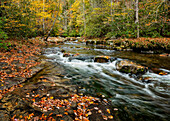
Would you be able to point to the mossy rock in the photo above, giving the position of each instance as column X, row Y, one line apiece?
column 127, row 66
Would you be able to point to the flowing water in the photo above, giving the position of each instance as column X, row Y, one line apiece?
column 136, row 100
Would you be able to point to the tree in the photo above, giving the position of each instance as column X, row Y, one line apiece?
column 49, row 32
column 89, row 18
column 137, row 17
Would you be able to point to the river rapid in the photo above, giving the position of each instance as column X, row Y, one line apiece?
column 135, row 99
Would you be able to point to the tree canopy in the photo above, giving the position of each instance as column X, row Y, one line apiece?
column 88, row 18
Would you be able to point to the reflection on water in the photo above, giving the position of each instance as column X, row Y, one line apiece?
column 135, row 99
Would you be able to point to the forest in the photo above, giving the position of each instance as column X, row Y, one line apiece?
column 84, row 60
column 87, row 18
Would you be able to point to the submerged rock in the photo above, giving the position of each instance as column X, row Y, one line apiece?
column 127, row 66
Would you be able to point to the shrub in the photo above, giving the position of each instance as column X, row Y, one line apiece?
column 3, row 36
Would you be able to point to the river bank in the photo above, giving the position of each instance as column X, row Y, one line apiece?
column 140, row 45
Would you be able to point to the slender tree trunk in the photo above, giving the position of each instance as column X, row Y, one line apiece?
column 84, row 17
column 111, row 11
column 43, row 19
column 65, row 15
column 137, row 17
column 71, row 20
column 49, row 32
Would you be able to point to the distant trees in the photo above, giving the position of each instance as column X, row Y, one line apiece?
column 90, row 18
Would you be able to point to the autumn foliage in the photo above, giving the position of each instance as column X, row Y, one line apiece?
column 16, row 63
column 145, row 44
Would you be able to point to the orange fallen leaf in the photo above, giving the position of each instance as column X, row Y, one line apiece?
column 59, row 115
column 66, row 113
column 108, row 110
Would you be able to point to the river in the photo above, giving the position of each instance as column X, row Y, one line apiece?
column 135, row 99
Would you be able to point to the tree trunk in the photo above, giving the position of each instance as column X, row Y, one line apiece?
column 84, row 17
column 137, row 17
column 111, row 11
column 43, row 19
column 49, row 32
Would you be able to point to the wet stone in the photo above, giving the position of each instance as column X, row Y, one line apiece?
column 102, row 59
column 126, row 66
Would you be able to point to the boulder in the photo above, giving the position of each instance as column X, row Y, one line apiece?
column 56, row 40
column 102, row 59
column 127, row 66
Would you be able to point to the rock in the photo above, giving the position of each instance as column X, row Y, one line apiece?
column 147, row 52
column 67, row 55
column 77, row 54
column 147, row 79
column 63, row 51
column 128, row 49
column 102, row 59
column 127, row 66
column 56, row 40
column 90, row 42
column 159, row 71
